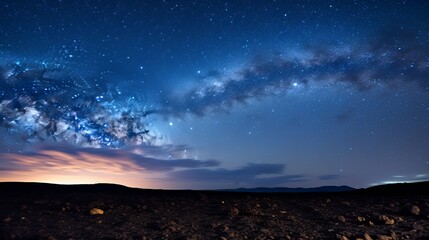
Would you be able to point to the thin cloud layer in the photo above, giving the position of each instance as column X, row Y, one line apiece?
column 405, row 178
column 54, row 163
column 250, row 175
column 52, row 156
column 329, row 177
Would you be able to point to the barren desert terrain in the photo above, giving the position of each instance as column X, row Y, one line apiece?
column 103, row 211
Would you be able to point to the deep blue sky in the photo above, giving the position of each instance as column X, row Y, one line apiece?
column 214, row 94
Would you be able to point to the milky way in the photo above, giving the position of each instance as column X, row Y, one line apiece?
column 42, row 103
column 394, row 58
column 219, row 94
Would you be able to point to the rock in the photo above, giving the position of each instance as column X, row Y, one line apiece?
column 361, row 219
column 383, row 237
column 418, row 227
column 173, row 226
column 389, row 221
column 366, row 236
column 77, row 208
column 254, row 212
column 415, row 210
column 341, row 218
column 393, row 235
column 234, row 211
column 204, row 198
column 386, row 220
column 342, row 237
column 96, row 211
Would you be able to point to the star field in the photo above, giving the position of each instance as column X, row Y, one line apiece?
column 215, row 94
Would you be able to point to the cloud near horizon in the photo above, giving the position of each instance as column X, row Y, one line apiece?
column 251, row 175
column 69, row 164
column 96, row 159
column 404, row 179
column 329, row 177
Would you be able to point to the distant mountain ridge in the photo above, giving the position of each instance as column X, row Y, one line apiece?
column 116, row 187
column 37, row 188
column 291, row 190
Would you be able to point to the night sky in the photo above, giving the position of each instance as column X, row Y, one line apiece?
column 214, row 94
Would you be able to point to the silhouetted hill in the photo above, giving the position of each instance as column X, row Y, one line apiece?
column 399, row 188
column 33, row 187
column 292, row 190
column 29, row 187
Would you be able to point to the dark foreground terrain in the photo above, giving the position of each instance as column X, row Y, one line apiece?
column 44, row 211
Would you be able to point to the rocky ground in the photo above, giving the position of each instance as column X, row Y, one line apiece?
column 41, row 211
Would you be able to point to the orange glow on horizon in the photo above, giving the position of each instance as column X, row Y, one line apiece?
column 50, row 166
